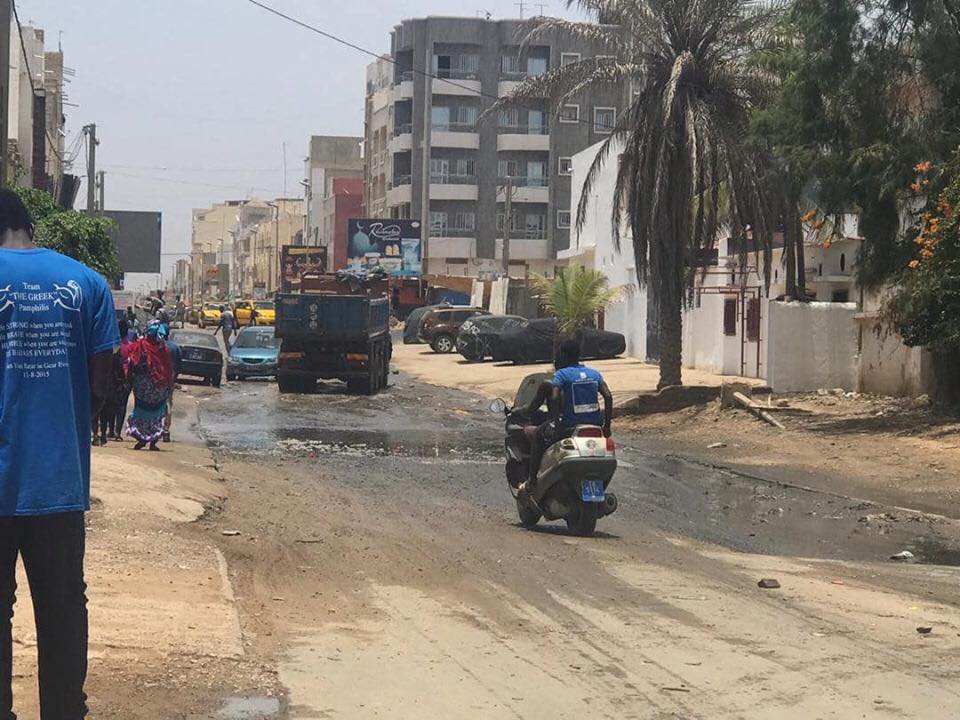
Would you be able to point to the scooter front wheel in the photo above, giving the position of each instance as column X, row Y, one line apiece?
column 529, row 517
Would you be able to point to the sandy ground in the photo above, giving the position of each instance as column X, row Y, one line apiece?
column 627, row 377
column 165, row 638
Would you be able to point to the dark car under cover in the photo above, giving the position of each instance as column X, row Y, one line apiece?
column 411, row 330
column 534, row 342
column 478, row 335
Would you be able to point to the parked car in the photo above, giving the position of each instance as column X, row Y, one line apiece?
column 439, row 328
column 411, row 329
column 243, row 311
column 255, row 353
column 477, row 335
column 535, row 341
column 209, row 314
column 200, row 355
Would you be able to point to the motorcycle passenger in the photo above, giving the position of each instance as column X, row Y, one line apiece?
column 574, row 400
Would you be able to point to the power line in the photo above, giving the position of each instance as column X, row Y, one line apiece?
column 167, row 168
column 181, row 181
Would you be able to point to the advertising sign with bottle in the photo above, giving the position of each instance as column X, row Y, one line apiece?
column 394, row 245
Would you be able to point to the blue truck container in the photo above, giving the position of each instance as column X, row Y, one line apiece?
column 328, row 336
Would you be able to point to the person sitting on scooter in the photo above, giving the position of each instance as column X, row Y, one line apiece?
column 574, row 400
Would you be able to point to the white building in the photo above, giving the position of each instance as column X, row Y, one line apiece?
column 735, row 326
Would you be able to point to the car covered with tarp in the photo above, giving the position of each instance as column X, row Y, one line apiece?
column 536, row 340
column 478, row 335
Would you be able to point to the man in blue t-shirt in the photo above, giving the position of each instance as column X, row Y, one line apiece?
column 58, row 330
column 575, row 400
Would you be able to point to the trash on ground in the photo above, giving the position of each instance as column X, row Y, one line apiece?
column 769, row 584
column 902, row 555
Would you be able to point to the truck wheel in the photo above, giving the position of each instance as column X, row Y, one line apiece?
column 215, row 381
column 584, row 523
column 443, row 343
column 288, row 384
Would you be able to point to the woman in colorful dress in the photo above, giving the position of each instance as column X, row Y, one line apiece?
column 150, row 370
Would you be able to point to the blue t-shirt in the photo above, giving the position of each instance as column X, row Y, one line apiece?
column 54, row 314
column 581, row 395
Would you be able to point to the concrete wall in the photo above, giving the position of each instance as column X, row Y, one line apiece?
column 811, row 346
column 888, row 367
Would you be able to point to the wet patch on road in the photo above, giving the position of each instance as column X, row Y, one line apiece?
column 249, row 708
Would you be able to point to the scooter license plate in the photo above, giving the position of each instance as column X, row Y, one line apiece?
column 592, row 491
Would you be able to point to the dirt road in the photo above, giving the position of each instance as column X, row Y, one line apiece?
column 379, row 567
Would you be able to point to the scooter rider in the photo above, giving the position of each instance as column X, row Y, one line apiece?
column 574, row 400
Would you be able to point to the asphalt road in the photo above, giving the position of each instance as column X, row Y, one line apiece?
column 384, row 526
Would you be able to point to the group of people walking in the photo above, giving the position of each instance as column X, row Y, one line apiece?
column 146, row 366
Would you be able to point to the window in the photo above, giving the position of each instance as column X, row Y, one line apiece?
column 569, row 59
column 536, row 66
column 570, row 114
column 563, row 219
column 440, row 117
column 536, row 121
column 730, row 317
column 508, row 168
column 535, row 225
column 843, row 262
column 467, row 116
column 753, row 320
column 604, row 119
column 514, row 221
column 439, row 167
column 509, row 64
column 565, row 166
column 438, row 222
column 605, row 58
column 536, row 170
column 840, row 296
column 466, row 167
column 465, row 221
column 509, row 118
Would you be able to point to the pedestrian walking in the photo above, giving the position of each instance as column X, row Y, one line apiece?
column 176, row 358
column 45, row 451
column 226, row 325
column 180, row 314
column 113, row 414
column 150, row 370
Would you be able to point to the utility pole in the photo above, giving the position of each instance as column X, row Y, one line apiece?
column 507, row 224
column 5, row 13
column 101, row 177
column 91, row 132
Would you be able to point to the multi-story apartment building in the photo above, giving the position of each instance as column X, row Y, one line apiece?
column 378, row 121
column 450, row 159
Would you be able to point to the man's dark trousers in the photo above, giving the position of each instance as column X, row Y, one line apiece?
column 52, row 548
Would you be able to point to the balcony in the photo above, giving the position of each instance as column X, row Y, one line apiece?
column 448, row 242
column 401, row 192
column 402, row 140
column 463, row 83
column 525, row 248
column 453, row 187
column 534, row 138
column 526, row 190
column 455, row 135
column 403, row 90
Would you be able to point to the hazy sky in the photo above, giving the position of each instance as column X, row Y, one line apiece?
column 194, row 99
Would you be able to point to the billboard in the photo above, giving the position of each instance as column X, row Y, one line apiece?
column 137, row 236
column 394, row 245
column 295, row 260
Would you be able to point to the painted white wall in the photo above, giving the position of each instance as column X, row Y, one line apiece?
column 811, row 346
column 593, row 247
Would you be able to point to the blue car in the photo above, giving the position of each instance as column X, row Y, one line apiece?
column 254, row 354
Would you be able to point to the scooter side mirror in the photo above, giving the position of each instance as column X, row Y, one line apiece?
column 498, row 406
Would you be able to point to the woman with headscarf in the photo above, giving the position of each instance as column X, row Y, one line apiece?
column 150, row 370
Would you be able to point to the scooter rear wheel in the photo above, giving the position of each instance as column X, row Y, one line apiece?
column 585, row 522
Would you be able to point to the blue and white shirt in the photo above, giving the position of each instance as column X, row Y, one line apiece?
column 580, row 386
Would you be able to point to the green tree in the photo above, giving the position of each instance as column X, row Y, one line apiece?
column 574, row 297
column 72, row 233
column 691, row 67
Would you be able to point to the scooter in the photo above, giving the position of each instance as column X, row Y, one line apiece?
column 574, row 472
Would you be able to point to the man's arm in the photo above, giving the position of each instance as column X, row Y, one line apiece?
column 607, row 408
column 543, row 394
column 556, row 403
column 101, row 372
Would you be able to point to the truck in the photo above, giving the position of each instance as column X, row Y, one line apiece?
column 338, row 336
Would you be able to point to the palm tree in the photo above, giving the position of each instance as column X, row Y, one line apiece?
column 574, row 297
column 693, row 79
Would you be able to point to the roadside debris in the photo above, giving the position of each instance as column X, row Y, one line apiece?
column 769, row 584
column 230, row 533
column 924, row 630
column 902, row 555
column 757, row 410
column 716, row 445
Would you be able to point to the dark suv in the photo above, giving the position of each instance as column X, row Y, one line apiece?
column 439, row 327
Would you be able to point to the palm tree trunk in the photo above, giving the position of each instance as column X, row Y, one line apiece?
column 671, row 341
column 790, row 247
